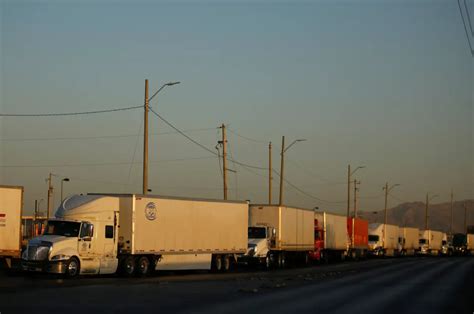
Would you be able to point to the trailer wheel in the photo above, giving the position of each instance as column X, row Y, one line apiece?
column 282, row 260
column 217, row 263
column 226, row 263
column 73, row 267
column 143, row 266
column 128, row 266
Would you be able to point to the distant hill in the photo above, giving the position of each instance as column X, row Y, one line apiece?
column 413, row 215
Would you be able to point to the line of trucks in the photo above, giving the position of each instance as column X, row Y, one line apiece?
column 136, row 234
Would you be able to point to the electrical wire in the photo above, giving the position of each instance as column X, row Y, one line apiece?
column 102, row 164
column 468, row 17
column 465, row 28
column 182, row 133
column 247, row 138
column 306, row 193
column 97, row 137
column 68, row 113
column 313, row 175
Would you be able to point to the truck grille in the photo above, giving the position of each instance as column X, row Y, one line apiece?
column 38, row 253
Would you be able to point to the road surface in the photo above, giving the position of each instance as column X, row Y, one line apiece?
column 401, row 285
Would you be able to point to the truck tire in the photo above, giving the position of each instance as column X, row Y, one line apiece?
column 143, row 266
column 268, row 261
column 282, row 260
column 128, row 266
column 217, row 263
column 226, row 263
column 73, row 267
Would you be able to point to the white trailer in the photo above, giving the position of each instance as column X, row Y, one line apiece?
column 409, row 240
column 134, row 234
column 11, row 203
column 277, row 234
column 383, row 239
column 431, row 242
column 332, row 235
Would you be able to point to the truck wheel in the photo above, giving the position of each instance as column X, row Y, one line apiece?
column 72, row 267
column 268, row 261
column 226, row 263
column 143, row 266
column 218, row 263
column 128, row 266
column 282, row 260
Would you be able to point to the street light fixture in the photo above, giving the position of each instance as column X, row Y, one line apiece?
column 62, row 181
column 349, row 174
column 283, row 150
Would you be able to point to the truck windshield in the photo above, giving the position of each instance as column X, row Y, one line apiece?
column 257, row 233
column 63, row 228
column 423, row 241
column 373, row 238
column 459, row 240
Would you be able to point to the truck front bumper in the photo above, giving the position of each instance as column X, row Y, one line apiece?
column 57, row 267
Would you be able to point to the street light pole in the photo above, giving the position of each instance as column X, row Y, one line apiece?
column 62, row 181
column 349, row 174
column 145, row 141
column 387, row 189
column 270, row 173
column 146, row 108
column 428, row 199
column 451, row 224
column 282, row 159
column 50, row 195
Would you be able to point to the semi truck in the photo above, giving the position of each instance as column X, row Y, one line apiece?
column 430, row 242
column 463, row 244
column 331, row 241
column 358, row 232
column 136, row 234
column 383, row 239
column 11, row 203
column 278, row 235
column 408, row 241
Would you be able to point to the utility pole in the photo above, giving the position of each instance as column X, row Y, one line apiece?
column 282, row 161
column 385, row 213
column 224, row 159
column 451, row 225
column 355, row 197
column 50, row 195
column 145, row 141
column 348, row 190
column 270, row 173
column 426, row 212
column 465, row 217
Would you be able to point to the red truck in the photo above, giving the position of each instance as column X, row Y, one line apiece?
column 358, row 231
column 330, row 237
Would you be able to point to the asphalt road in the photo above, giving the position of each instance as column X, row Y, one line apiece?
column 403, row 285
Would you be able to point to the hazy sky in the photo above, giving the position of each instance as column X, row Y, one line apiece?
column 384, row 84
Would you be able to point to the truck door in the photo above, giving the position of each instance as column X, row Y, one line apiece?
column 109, row 260
column 86, row 242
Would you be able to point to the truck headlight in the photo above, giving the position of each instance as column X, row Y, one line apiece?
column 60, row 257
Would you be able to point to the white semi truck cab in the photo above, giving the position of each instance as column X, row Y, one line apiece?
column 261, row 240
column 80, row 240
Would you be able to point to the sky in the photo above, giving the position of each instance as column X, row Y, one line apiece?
column 383, row 84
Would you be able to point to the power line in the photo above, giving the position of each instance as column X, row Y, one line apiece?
column 95, row 137
column 313, row 175
column 67, row 114
column 246, row 138
column 182, row 133
column 465, row 28
column 306, row 193
column 468, row 17
column 102, row 164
